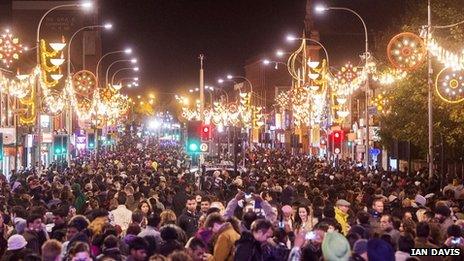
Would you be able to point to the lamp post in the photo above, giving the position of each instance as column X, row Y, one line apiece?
column 106, row 26
column 97, row 71
column 276, row 63
column 292, row 38
column 128, row 79
column 212, row 88
column 230, row 77
column 69, row 126
column 123, row 69
column 37, row 98
column 133, row 61
column 320, row 9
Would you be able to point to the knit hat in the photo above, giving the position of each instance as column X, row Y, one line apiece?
column 360, row 246
column 380, row 250
column 335, row 247
column 287, row 209
column 16, row 242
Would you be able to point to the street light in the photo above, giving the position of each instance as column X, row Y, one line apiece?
column 85, row 5
column 321, row 9
column 97, row 71
column 133, row 61
column 279, row 53
column 291, row 38
column 276, row 63
column 230, row 77
column 120, row 70
column 106, row 26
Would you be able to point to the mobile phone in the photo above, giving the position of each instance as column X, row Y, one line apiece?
column 281, row 224
column 456, row 241
column 310, row 235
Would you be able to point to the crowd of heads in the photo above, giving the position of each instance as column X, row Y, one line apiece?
column 140, row 201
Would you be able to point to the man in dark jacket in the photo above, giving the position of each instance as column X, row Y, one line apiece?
column 35, row 234
column 188, row 221
column 248, row 247
column 179, row 200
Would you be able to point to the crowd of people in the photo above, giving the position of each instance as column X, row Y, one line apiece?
column 141, row 202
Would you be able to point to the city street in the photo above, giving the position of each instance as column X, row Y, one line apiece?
column 238, row 130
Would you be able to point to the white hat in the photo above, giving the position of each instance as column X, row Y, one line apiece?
column 16, row 242
column 392, row 198
column 420, row 200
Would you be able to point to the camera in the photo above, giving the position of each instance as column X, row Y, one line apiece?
column 310, row 235
column 456, row 241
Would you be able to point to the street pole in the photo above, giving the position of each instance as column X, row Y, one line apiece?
column 202, row 89
column 430, row 93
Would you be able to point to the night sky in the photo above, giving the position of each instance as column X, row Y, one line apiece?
column 168, row 35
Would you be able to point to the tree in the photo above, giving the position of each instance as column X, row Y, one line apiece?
column 407, row 119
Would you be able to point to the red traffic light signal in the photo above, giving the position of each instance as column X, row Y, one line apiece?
column 337, row 140
column 205, row 132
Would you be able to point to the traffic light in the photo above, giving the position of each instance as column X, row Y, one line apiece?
column 64, row 142
column 91, row 141
column 337, row 141
column 205, row 132
column 60, row 143
column 194, row 136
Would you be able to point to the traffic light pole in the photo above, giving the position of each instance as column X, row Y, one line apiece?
column 235, row 153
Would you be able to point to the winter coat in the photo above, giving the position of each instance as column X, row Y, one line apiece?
column 342, row 218
column 225, row 243
column 247, row 248
column 188, row 222
column 113, row 253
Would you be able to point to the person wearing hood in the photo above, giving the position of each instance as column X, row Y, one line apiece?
column 224, row 237
column 80, row 198
column 111, row 249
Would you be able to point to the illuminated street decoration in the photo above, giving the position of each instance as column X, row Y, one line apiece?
column 84, row 83
column 406, row 51
column 446, row 57
column 283, row 99
column 381, row 103
column 307, row 96
column 349, row 78
column 449, row 85
column 347, row 73
column 389, row 76
column 10, row 48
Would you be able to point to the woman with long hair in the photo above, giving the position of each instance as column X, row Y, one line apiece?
column 303, row 219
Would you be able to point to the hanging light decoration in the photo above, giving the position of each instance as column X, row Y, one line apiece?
column 445, row 57
column 406, row 51
column 449, row 85
column 10, row 48
column 381, row 103
column 389, row 76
